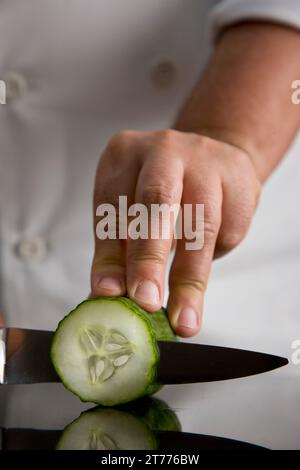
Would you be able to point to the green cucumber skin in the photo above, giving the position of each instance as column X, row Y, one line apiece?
column 158, row 320
column 159, row 329
column 159, row 323
column 155, row 413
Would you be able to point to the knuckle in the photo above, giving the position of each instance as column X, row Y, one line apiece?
column 206, row 145
column 211, row 229
column 105, row 260
column 166, row 136
column 206, row 142
column 229, row 241
column 141, row 256
column 184, row 282
column 119, row 142
column 156, row 193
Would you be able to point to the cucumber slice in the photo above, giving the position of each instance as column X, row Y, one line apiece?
column 107, row 429
column 105, row 351
column 129, row 427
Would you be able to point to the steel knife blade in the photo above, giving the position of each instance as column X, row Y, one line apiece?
column 189, row 363
column 25, row 359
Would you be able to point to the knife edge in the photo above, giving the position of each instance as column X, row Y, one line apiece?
column 190, row 363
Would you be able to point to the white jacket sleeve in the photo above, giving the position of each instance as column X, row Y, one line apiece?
column 228, row 12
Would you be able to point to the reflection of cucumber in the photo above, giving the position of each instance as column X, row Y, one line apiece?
column 105, row 350
column 107, row 429
column 155, row 413
column 128, row 427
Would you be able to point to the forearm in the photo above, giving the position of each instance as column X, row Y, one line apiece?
column 244, row 96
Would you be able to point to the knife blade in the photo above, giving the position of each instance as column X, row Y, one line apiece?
column 25, row 356
column 24, row 359
column 189, row 363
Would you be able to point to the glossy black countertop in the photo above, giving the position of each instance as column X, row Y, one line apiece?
column 263, row 410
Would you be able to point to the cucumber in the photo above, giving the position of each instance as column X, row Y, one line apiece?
column 154, row 412
column 105, row 351
column 107, row 429
column 128, row 427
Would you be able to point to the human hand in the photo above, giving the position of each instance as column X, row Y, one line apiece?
column 172, row 167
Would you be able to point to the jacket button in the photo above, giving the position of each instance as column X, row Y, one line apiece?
column 32, row 250
column 16, row 86
column 164, row 74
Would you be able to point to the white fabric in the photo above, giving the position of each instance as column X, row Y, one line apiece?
column 88, row 73
column 228, row 12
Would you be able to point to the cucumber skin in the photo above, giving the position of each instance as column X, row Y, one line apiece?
column 159, row 329
column 154, row 412
column 158, row 320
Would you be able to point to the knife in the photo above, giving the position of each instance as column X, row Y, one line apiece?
column 25, row 359
column 40, row 439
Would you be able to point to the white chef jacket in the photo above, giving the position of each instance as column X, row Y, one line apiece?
column 76, row 73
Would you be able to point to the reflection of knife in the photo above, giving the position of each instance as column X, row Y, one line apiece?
column 24, row 358
column 38, row 439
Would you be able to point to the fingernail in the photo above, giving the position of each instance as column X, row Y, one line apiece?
column 188, row 318
column 109, row 283
column 147, row 292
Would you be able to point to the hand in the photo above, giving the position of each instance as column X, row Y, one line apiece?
column 172, row 167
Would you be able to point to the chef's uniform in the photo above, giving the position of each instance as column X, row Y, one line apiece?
column 77, row 72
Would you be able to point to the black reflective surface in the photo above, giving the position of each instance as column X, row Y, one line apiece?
column 261, row 410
